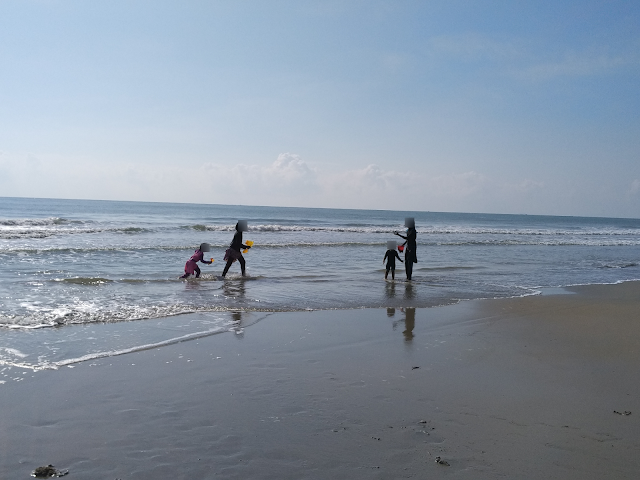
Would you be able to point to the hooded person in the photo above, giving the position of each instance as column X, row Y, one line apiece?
column 191, row 266
column 410, row 253
column 234, row 252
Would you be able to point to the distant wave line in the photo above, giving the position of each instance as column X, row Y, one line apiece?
column 11, row 229
column 38, row 221
column 14, row 234
column 276, row 246
column 371, row 229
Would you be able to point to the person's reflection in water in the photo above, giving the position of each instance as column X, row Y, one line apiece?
column 409, row 292
column 409, row 323
column 237, row 328
column 194, row 285
column 234, row 290
column 234, row 293
column 390, row 289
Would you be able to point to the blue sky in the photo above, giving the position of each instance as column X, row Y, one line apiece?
column 476, row 106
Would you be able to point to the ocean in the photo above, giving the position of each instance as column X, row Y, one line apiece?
column 84, row 279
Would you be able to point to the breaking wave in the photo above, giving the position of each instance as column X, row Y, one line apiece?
column 12, row 229
column 435, row 230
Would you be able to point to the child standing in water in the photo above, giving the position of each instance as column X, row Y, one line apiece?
column 191, row 266
column 390, row 257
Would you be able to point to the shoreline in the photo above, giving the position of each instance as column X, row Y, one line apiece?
column 522, row 387
column 435, row 302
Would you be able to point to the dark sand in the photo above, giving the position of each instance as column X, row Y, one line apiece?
column 517, row 388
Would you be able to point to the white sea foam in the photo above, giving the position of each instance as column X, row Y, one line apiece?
column 124, row 351
column 14, row 352
column 39, row 228
column 427, row 230
column 30, row 222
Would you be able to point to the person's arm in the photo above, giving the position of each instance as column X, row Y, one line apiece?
column 401, row 236
column 385, row 256
column 200, row 258
column 242, row 245
column 398, row 257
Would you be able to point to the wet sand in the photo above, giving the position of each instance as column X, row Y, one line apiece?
column 516, row 388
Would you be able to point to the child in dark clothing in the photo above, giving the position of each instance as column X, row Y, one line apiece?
column 390, row 257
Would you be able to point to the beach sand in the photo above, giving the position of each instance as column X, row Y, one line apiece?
column 514, row 388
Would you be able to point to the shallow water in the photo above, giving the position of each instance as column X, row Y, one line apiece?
column 67, row 262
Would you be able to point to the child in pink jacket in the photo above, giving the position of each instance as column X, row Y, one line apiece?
column 191, row 266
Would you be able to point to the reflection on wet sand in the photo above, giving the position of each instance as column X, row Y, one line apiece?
column 236, row 290
column 409, row 323
column 238, row 326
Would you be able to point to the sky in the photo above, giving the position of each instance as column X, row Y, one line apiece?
column 495, row 106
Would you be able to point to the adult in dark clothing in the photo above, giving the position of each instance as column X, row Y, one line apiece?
column 233, row 253
column 410, row 254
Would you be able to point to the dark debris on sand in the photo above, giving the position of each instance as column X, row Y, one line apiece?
column 48, row 472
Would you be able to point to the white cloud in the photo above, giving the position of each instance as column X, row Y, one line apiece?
column 283, row 182
column 459, row 184
column 290, row 181
column 289, row 168
column 374, row 187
